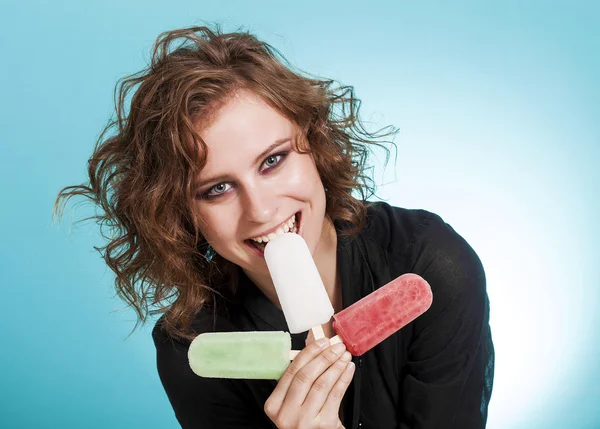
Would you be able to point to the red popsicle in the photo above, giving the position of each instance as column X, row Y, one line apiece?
column 380, row 314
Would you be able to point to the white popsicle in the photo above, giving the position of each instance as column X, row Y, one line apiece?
column 299, row 287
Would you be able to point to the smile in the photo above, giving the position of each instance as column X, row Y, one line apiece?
column 287, row 226
column 291, row 225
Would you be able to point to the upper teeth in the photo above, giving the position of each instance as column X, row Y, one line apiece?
column 289, row 225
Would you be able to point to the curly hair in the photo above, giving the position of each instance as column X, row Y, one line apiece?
column 143, row 168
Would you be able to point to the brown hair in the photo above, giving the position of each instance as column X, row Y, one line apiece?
column 143, row 168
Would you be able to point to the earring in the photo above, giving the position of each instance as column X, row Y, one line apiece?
column 209, row 254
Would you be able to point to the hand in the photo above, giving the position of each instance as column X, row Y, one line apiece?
column 310, row 392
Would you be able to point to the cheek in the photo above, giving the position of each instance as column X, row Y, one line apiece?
column 214, row 226
column 304, row 177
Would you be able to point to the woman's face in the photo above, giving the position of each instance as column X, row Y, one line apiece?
column 254, row 183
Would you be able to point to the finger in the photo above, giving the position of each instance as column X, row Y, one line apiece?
column 323, row 386
column 306, row 355
column 309, row 373
column 334, row 399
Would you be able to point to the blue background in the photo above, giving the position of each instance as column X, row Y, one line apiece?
column 498, row 110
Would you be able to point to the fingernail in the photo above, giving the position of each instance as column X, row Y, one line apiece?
column 338, row 348
column 323, row 342
column 346, row 356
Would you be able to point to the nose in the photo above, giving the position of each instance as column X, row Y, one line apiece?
column 259, row 204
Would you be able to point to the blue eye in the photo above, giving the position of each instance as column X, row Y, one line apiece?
column 216, row 190
column 273, row 160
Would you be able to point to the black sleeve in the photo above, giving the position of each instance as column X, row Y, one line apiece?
column 451, row 358
column 203, row 403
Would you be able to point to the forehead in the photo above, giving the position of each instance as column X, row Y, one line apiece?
column 244, row 125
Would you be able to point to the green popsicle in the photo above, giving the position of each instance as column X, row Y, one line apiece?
column 248, row 355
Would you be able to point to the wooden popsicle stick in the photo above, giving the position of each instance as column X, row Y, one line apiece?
column 293, row 354
column 317, row 332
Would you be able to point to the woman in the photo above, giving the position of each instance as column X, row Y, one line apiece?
column 223, row 144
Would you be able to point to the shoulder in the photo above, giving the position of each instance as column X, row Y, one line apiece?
column 443, row 255
column 420, row 234
column 204, row 321
column 429, row 247
column 396, row 229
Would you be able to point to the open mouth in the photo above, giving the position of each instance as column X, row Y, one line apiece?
column 291, row 226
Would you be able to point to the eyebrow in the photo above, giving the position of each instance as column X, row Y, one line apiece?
column 258, row 159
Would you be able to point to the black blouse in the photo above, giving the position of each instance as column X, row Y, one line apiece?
column 436, row 372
